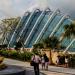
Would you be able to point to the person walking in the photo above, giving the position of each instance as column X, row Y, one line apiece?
column 43, row 62
column 57, row 60
column 66, row 61
column 46, row 61
column 36, row 59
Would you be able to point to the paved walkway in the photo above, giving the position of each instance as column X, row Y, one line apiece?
column 52, row 69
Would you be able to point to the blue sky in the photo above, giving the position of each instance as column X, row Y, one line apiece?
column 11, row 8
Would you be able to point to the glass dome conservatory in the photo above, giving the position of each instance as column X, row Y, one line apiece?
column 37, row 25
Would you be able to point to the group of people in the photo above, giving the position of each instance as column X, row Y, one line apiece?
column 64, row 60
column 44, row 62
column 36, row 60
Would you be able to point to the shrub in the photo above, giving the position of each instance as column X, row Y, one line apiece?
column 1, row 59
column 14, row 54
column 36, row 51
column 4, row 53
column 26, row 56
column 2, row 66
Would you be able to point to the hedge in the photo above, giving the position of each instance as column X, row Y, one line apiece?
column 26, row 56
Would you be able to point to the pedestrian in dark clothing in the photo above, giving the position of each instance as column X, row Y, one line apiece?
column 43, row 62
column 46, row 61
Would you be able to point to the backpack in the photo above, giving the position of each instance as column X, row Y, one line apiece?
column 46, row 59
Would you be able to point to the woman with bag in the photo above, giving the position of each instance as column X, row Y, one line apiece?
column 32, row 63
column 36, row 59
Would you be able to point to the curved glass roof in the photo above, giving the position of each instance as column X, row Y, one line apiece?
column 37, row 25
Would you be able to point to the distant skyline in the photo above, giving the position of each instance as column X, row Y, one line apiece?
column 12, row 8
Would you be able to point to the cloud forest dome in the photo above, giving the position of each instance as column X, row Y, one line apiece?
column 37, row 25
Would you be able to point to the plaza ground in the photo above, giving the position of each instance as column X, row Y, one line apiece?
column 29, row 69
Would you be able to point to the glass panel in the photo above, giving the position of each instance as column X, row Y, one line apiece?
column 51, row 27
column 30, row 26
column 38, row 30
column 19, row 29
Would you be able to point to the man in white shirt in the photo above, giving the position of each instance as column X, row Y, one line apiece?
column 36, row 60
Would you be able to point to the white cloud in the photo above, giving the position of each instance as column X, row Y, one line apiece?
column 43, row 3
column 7, row 8
column 17, row 1
column 66, row 6
column 17, row 7
column 33, row 7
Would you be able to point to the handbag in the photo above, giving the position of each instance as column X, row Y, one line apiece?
column 32, row 63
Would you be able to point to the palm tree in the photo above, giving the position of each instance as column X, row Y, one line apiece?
column 37, row 47
column 18, row 45
column 69, row 31
column 51, row 43
column 47, row 43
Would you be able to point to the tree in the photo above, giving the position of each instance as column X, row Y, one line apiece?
column 37, row 47
column 47, row 43
column 3, row 46
column 69, row 31
column 51, row 43
column 18, row 45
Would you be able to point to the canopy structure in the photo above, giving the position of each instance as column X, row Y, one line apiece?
column 37, row 25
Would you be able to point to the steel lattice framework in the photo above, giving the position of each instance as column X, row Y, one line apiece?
column 37, row 25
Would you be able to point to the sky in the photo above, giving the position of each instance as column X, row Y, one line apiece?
column 13, row 8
